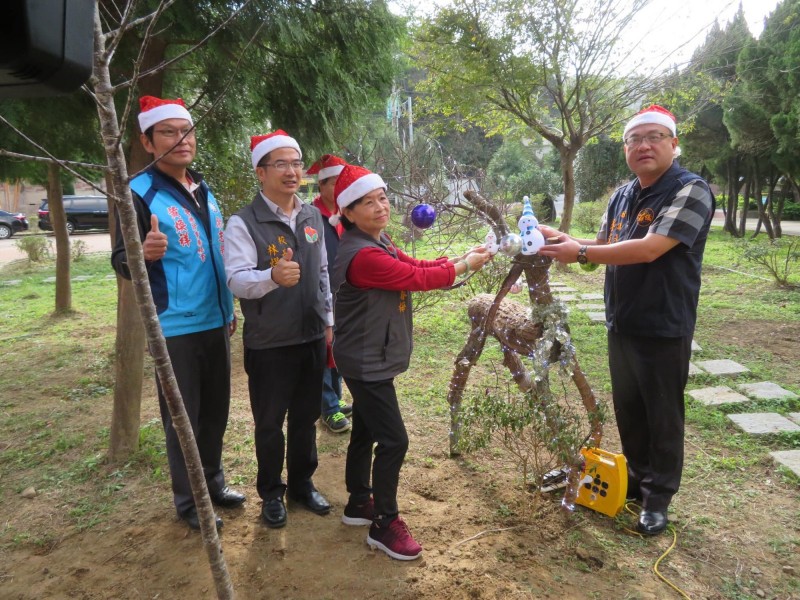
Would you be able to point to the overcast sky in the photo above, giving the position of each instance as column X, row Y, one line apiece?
column 666, row 32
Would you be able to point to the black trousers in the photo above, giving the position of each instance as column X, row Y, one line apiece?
column 648, row 378
column 202, row 365
column 376, row 419
column 283, row 381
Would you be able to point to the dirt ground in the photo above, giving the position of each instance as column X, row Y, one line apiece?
column 737, row 529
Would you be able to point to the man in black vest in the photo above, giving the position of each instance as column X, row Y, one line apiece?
column 652, row 239
column 276, row 264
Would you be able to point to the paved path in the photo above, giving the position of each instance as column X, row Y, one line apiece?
column 95, row 242
column 787, row 227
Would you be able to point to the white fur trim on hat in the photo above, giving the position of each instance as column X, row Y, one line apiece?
column 161, row 113
column 360, row 188
column 273, row 143
column 335, row 219
column 327, row 172
column 651, row 118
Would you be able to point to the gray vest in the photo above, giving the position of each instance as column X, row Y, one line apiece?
column 293, row 315
column 373, row 332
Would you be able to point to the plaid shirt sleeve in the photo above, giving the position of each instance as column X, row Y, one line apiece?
column 685, row 217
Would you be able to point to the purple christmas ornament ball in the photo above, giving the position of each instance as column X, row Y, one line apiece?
column 423, row 216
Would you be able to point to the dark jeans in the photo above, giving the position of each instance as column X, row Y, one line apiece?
column 331, row 391
column 202, row 365
column 285, row 381
column 648, row 378
column 376, row 419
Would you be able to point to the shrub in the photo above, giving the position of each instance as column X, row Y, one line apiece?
column 36, row 247
column 791, row 212
column 588, row 215
column 77, row 249
column 780, row 257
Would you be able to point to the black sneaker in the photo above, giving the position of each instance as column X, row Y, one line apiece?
column 345, row 408
column 359, row 514
column 337, row 422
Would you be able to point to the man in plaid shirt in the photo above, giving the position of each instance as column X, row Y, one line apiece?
column 652, row 240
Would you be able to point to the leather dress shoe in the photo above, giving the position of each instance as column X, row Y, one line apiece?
column 193, row 520
column 652, row 522
column 228, row 498
column 313, row 501
column 273, row 512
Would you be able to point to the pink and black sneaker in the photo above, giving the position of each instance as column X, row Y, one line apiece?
column 394, row 539
column 359, row 514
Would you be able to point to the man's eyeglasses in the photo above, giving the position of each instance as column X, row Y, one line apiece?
column 283, row 165
column 187, row 133
column 633, row 141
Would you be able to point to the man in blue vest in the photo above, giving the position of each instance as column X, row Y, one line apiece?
column 652, row 239
column 181, row 228
column 277, row 266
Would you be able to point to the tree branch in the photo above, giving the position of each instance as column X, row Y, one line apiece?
column 62, row 163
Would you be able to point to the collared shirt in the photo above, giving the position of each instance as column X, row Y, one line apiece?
column 244, row 279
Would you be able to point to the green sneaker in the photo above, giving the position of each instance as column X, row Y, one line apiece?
column 345, row 408
column 337, row 422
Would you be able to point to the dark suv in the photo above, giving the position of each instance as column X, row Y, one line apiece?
column 83, row 212
column 11, row 223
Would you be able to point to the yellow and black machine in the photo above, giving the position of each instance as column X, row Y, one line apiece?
column 603, row 481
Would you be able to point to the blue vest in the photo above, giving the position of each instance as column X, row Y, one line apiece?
column 188, row 284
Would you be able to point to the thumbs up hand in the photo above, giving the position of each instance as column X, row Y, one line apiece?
column 154, row 246
column 287, row 272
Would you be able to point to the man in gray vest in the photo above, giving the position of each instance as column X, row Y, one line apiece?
column 276, row 264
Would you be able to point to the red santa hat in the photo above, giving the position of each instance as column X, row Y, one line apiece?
column 154, row 110
column 355, row 182
column 261, row 145
column 655, row 115
column 327, row 166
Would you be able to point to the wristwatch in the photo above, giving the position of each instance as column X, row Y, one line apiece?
column 582, row 255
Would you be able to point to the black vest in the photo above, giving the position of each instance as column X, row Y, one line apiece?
column 373, row 332
column 657, row 299
column 293, row 315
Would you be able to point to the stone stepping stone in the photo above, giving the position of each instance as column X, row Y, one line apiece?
column 597, row 317
column 794, row 417
column 82, row 278
column 111, row 276
column 567, row 297
column 560, row 289
column 763, row 423
column 49, row 280
column 696, row 347
column 789, row 459
column 12, row 282
column 714, row 396
column 557, row 284
column 695, row 370
column 766, row 390
column 722, row 367
column 591, row 296
column 594, row 307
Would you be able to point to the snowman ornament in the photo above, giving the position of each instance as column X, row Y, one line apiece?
column 490, row 243
column 532, row 238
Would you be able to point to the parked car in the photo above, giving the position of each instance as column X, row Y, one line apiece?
column 11, row 223
column 83, row 212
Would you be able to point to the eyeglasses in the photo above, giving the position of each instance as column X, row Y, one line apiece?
column 634, row 141
column 187, row 133
column 283, row 165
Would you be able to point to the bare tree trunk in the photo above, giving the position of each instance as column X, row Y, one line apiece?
column 733, row 197
column 109, row 126
column 568, row 176
column 129, row 359
column 55, row 204
column 130, row 342
column 741, row 229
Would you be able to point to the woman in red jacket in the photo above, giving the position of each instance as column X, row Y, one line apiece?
column 372, row 281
